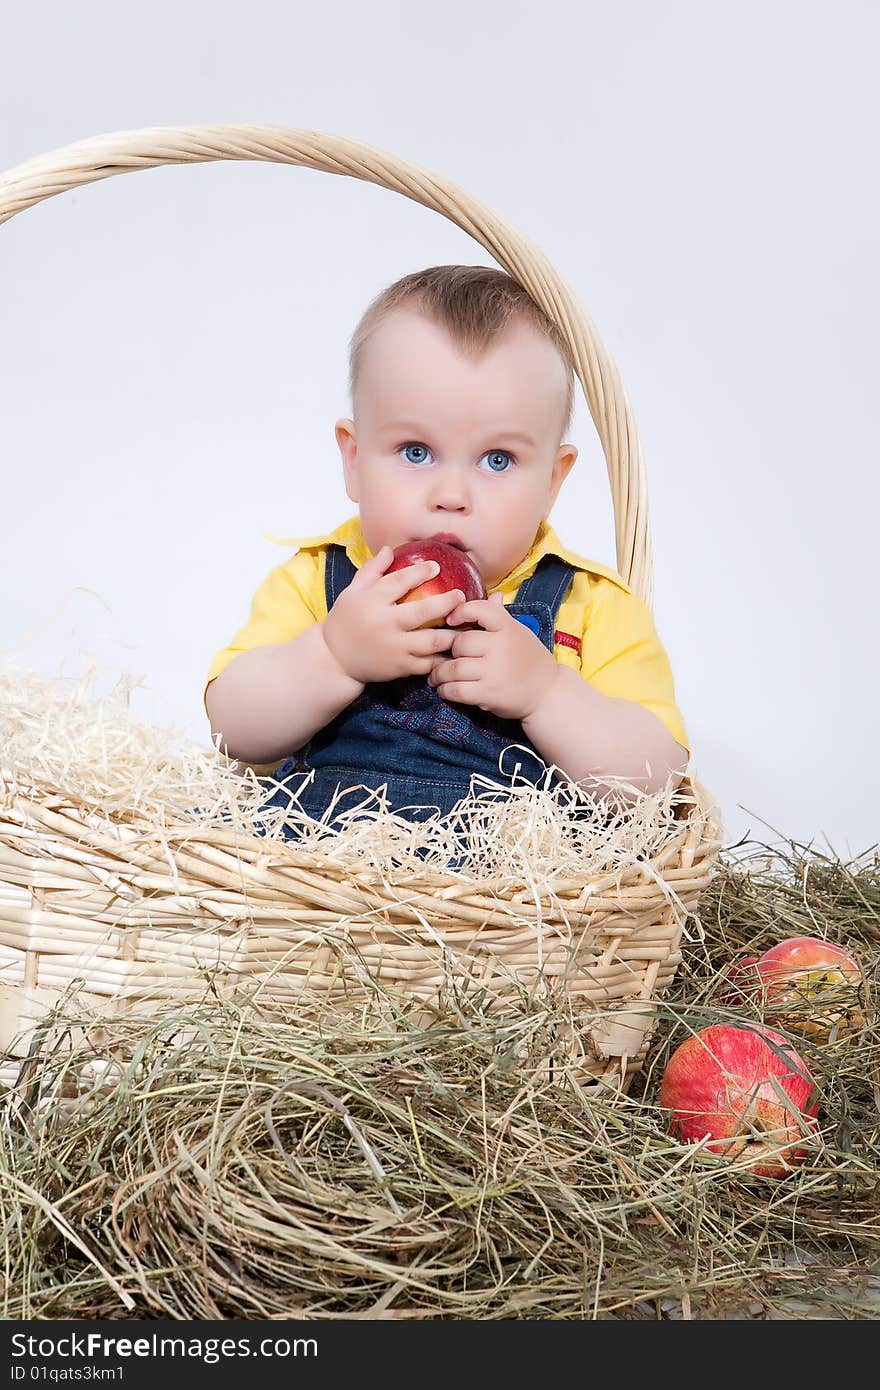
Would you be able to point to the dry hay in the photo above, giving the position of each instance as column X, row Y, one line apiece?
column 229, row 1164
column 227, row 1161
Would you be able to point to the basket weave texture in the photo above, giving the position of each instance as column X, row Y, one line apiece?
column 140, row 917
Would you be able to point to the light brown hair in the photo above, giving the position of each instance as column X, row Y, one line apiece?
column 474, row 303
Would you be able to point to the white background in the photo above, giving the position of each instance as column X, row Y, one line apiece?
column 173, row 348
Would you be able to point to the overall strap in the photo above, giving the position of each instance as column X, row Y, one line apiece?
column 538, row 598
column 338, row 573
column 549, row 584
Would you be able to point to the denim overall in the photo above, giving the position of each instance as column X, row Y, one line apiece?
column 403, row 734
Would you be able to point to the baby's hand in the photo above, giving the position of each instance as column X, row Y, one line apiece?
column 499, row 665
column 376, row 638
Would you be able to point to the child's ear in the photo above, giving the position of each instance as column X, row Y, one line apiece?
column 346, row 438
column 561, row 469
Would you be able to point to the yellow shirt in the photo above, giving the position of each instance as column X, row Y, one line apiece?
column 603, row 630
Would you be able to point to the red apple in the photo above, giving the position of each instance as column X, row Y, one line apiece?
column 739, row 983
column 747, row 1089
column 812, row 986
column 457, row 571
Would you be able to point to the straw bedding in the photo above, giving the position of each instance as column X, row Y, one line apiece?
column 128, row 861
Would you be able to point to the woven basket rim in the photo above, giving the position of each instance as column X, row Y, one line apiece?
column 693, row 806
column 127, row 151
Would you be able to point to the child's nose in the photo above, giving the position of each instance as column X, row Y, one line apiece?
column 450, row 490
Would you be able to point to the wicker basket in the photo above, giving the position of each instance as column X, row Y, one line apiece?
column 141, row 918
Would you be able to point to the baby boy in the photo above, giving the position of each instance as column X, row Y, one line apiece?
column 462, row 393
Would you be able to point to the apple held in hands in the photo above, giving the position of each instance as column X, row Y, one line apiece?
column 457, row 571
column 811, row 986
column 747, row 1090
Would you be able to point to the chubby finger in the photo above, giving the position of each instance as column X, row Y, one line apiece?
column 459, row 692
column 423, row 666
column 456, row 669
column 430, row 641
column 399, row 582
column 488, row 612
column 374, row 568
column 473, row 642
column 419, row 612
column 435, row 676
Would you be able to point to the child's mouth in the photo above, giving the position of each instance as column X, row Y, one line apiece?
column 447, row 539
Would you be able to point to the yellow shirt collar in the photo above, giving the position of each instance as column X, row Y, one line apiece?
column 546, row 542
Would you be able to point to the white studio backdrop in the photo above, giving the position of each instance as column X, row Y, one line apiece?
column 173, row 346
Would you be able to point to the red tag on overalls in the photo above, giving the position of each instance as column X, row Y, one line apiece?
column 568, row 639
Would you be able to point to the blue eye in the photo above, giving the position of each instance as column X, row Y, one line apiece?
column 419, row 449
column 497, row 457
column 500, row 460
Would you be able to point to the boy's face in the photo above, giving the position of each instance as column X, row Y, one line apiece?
column 448, row 446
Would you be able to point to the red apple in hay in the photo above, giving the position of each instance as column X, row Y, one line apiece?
column 812, row 986
column 739, row 983
column 457, row 571
column 745, row 1088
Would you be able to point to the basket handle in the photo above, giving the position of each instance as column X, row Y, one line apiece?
column 124, row 151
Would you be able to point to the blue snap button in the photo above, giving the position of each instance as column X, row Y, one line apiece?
column 531, row 623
